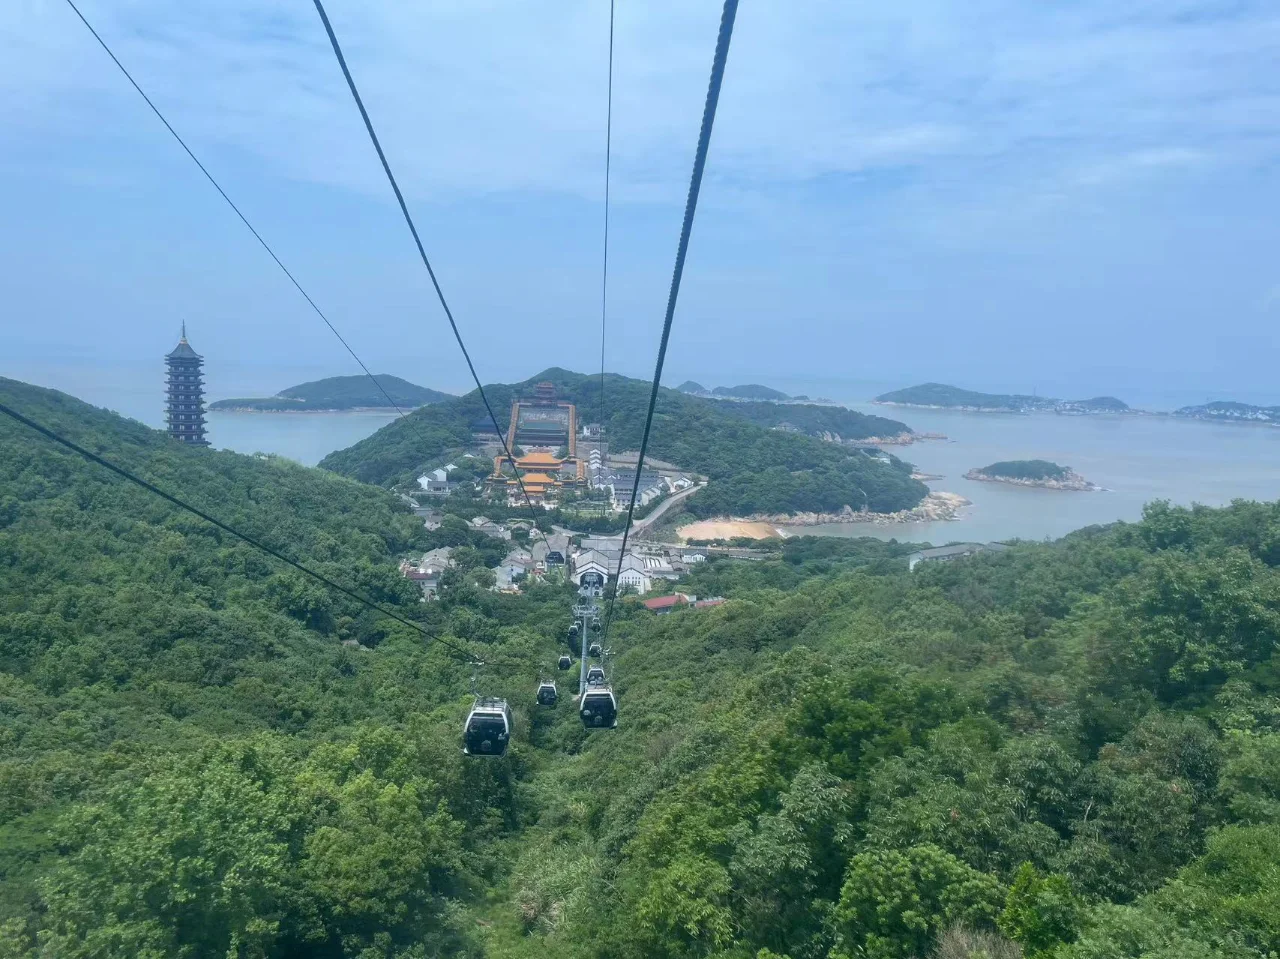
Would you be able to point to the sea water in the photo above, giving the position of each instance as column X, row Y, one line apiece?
column 1136, row 458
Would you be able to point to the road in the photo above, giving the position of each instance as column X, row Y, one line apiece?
column 665, row 505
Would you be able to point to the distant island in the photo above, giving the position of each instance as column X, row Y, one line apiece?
column 747, row 391
column 1040, row 473
column 337, row 393
column 944, row 396
column 1230, row 411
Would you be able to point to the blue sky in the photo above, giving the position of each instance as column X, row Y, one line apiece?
column 994, row 193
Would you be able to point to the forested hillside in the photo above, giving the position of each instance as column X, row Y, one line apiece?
column 191, row 763
column 1066, row 750
column 752, row 469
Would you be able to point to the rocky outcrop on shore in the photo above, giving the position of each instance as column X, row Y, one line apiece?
column 901, row 439
column 1071, row 481
column 933, row 508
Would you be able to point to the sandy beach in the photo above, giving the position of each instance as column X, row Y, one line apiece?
column 727, row 529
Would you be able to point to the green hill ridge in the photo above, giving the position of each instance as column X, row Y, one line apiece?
column 752, row 468
column 339, row 393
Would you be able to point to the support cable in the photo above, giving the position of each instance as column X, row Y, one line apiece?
column 691, row 205
column 223, row 193
column 152, row 488
column 604, row 271
column 408, row 219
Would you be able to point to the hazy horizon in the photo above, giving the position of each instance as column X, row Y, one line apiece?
column 1070, row 200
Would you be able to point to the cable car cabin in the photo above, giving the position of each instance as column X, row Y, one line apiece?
column 595, row 676
column 488, row 728
column 565, row 662
column 595, row 625
column 599, row 709
column 547, row 694
column 573, row 630
column 595, row 651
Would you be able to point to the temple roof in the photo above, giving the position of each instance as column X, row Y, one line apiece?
column 183, row 350
column 539, row 459
column 538, row 479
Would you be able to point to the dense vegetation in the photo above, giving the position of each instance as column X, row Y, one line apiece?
column 751, row 469
column 837, row 422
column 340, row 393
column 1062, row 751
column 940, row 394
column 1026, row 470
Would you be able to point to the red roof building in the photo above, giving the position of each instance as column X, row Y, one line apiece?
column 665, row 604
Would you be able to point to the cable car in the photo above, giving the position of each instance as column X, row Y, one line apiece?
column 573, row 630
column 488, row 727
column 565, row 662
column 595, row 651
column 595, row 624
column 599, row 709
column 547, row 694
column 595, row 676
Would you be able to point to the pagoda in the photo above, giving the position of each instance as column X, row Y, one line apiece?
column 184, row 409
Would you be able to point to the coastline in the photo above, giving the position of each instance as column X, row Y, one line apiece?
column 936, row 507
column 901, row 439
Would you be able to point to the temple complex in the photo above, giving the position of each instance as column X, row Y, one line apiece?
column 541, row 426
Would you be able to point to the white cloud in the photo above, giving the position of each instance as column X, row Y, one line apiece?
column 482, row 96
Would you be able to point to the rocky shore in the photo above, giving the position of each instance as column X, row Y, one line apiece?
column 1072, row 481
column 934, row 508
column 901, row 439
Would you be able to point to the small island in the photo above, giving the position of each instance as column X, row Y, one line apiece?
column 1231, row 412
column 945, row 397
column 338, row 393
column 1038, row 473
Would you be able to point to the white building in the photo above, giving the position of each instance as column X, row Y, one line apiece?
column 635, row 574
column 590, row 568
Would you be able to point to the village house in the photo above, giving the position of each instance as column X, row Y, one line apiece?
column 427, row 571
column 482, row 524
column 663, row 605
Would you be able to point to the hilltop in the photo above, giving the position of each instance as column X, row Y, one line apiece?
column 339, row 393
column 1100, row 403
column 751, row 468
